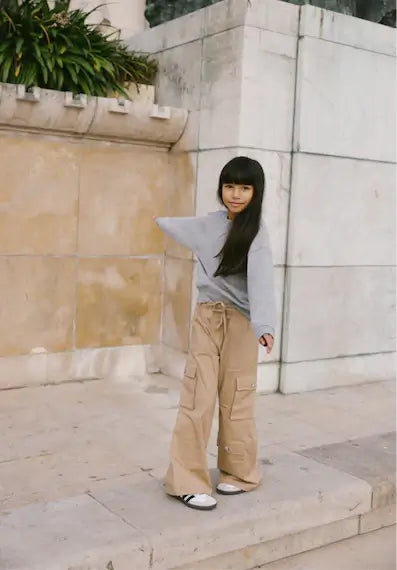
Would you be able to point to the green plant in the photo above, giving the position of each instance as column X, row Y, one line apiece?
column 55, row 48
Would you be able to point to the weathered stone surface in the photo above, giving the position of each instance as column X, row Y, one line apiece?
column 221, row 85
column 377, row 550
column 120, row 192
column 335, row 111
column 268, row 375
column 331, row 322
column 176, row 316
column 39, row 200
column 179, row 77
column 273, row 15
column 339, row 28
column 267, row 90
column 280, row 548
column 74, row 198
column 172, row 361
column 181, row 197
column 297, row 494
column 379, row 518
column 94, row 116
column 37, row 304
column 328, row 373
column 72, row 533
column 83, row 364
column 49, row 113
column 372, row 459
column 118, row 302
column 336, row 204
column 112, row 440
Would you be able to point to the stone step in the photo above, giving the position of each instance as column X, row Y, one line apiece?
column 302, row 504
column 374, row 550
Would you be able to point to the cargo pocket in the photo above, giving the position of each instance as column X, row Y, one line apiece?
column 244, row 398
column 188, row 389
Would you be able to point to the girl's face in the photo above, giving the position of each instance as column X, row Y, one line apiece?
column 236, row 197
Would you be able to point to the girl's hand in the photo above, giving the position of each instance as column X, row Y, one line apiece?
column 268, row 341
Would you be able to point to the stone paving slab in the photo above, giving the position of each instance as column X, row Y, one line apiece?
column 76, row 532
column 372, row 459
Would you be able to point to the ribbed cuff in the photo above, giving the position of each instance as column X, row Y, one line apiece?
column 260, row 330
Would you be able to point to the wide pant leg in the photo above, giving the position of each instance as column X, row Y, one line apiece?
column 223, row 360
column 237, row 438
column 188, row 469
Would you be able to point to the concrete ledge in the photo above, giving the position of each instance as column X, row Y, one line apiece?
column 83, row 364
column 141, row 528
column 345, row 371
column 372, row 459
column 379, row 518
column 280, row 548
column 57, row 112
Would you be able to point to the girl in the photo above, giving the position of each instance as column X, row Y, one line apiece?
column 235, row 310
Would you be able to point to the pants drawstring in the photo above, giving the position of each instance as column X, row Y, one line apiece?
column 221, row 309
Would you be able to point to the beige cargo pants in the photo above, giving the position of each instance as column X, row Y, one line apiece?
column 222, row 361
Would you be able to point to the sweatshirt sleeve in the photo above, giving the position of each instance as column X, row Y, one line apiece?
column 185, row 231
column 260, row 279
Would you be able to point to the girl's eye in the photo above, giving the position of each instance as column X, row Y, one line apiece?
column 247, row 187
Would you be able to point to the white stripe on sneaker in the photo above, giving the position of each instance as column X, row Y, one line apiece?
column 199, row 501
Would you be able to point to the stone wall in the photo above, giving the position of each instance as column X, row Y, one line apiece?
column 310, row 94
column 81, row 261
column 340, row 296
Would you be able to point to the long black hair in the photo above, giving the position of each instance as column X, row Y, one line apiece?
column 245, row 226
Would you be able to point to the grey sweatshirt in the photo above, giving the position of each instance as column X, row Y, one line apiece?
column 251, row 293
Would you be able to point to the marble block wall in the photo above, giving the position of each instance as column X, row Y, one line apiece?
column 339, row 313
column 82, row 273
column 308, row 93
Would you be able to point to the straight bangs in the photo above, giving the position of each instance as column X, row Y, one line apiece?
column 239, row 172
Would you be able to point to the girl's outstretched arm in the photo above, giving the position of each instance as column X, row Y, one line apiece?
column 185, row 231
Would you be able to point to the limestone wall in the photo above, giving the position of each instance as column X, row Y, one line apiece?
column 340, row 295
column 81, row 260
column 311, row 95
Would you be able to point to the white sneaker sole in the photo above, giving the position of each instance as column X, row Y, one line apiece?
column 223, row 492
